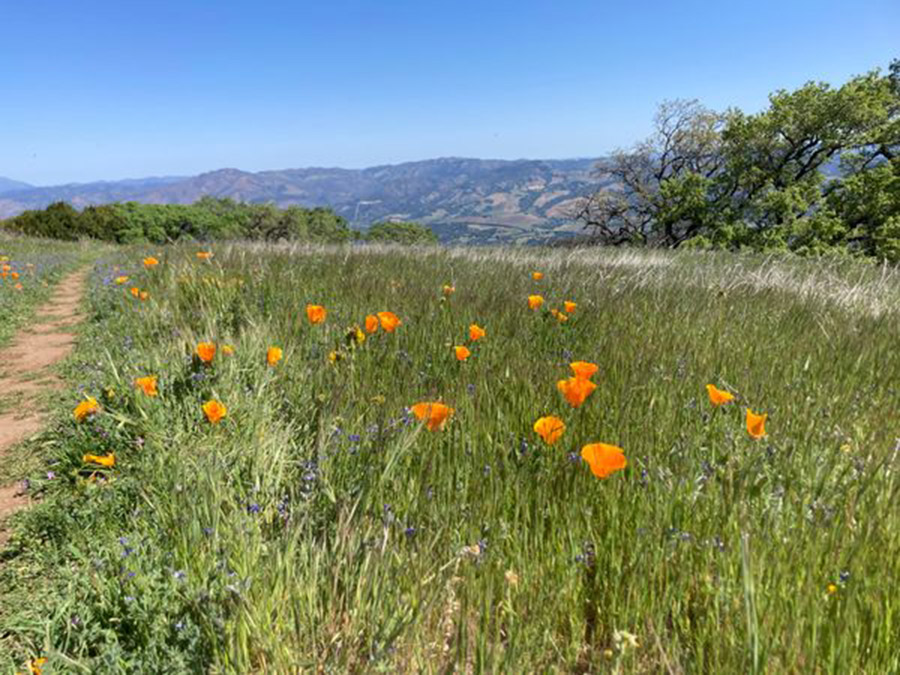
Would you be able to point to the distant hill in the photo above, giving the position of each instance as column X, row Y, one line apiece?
column 463, row 200
column 10, row 185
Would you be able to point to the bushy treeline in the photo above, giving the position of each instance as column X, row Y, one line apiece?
column 816, row 172
column 208, row 219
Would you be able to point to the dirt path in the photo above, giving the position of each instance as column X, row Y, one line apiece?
column 25, row 375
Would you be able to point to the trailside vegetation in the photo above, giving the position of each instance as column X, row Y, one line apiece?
column 816, row 172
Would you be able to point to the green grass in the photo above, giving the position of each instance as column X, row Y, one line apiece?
column 317, row 527
column 36, row 265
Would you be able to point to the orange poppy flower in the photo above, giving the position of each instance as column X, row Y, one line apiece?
column 476, row 332
column 537, row 276
column 717, row 396
column 86, row 408
column 576, row 390
column 214, row 411
column 204, row 255
column 435, row 415
column 273, row 355
column 135, row 291
column 389, row 321
column 206, row 351
column 462, row 353
column 150, row 261
column 604, row 459
column 147, row 385
column 227, row 350
column 108, row 460
column 756, row 424
column 583, row 369
column 535, row 301
column 550, row 429
column 371, row 323
column 144, row 295
column 7, row 268
column 14, row 275
column 121, row 280
column 559, row 316
column 315, row 313
column 448, row 290
column 570, row 306
column 35, row 666
column 18, row 286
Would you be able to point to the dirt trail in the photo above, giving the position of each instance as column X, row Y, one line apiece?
column 25, row 375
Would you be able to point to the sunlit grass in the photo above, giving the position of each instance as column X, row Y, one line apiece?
column 319, row 524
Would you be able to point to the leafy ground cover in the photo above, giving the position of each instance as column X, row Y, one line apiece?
column 28, row 269
column 248, row 509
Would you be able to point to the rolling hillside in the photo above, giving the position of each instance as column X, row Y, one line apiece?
column 463, row 200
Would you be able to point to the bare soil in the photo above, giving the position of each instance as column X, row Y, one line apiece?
column 26, row 375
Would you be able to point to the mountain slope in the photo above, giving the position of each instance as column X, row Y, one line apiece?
column 10, row 185
column 462, row 199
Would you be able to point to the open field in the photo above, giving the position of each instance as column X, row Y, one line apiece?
column 320, row 526
column 27, row 268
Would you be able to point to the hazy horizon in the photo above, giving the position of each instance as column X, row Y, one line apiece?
column 102, row 91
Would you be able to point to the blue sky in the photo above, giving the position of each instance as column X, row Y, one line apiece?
column 96, row 90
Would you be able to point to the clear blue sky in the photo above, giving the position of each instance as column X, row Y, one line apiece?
column 120, row 88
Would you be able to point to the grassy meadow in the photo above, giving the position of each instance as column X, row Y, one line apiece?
column 320, row 526
column 28, row 270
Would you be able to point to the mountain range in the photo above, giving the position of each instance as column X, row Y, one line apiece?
column 463, row 200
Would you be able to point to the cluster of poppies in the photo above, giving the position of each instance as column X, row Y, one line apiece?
column 603, row 459
column 9, row 273
column 756, row 423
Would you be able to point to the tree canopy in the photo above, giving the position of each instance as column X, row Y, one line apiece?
column 816, row 172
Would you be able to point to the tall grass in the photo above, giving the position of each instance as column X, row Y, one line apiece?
column 319, row 526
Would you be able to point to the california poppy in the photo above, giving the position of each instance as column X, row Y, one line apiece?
column 535, row 301
column 121, row 280
column 108, row 460
column 14, row 275
column 537, row 276
column 462, row 353
column 144, row 295
column 604, row 459
column 150, row 261
column 87, row 407
column 273, row 355
column 315, row 313
column 135, row 291
column 19, row 286
column 576, row 390
column 206, row 351
column 214, row 411
column 389, row 321
column 717, row 396
column 448, row 290
column 476, row 332
column 550, row 429
column 355, row 336
column 562, row 317
column 756, row 424
column 583, row 369
column 147, row 385
column 35, row 666
column 371, row 323
column 570, row 306
column 204, row 255
column 434, row 414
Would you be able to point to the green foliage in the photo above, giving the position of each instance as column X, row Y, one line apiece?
column 206, row 220
column 812, row 173
column 401, row 233
column 319, row 528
